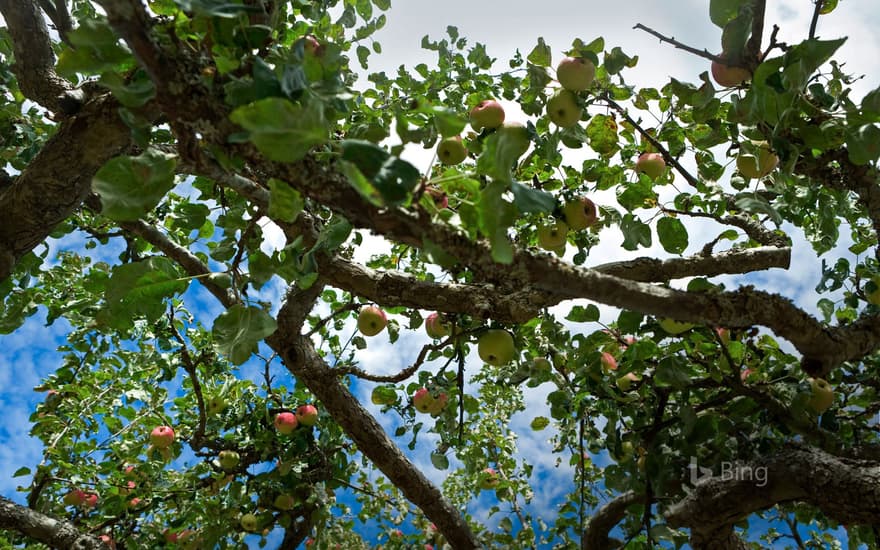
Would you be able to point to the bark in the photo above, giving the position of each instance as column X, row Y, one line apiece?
column 46, row 529
column 595, row 536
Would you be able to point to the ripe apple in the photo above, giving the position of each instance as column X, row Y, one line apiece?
column 823, row 395
column 436, row 326
column 580, row 213
column 744, row 375
column 249, row 522
column 307, row 415
column 515, row 136
column 284, row 502
column 286, row 422
column 215, row 405
column 651, row 164
column 451, row 151
column 873, row 296
column 575, row 73
column 563, row 110
column 423, row 400
column 675, row 327
column 487, row 114
column 609, row 363
column 552, row 235
column 728, row 75
column 371, row 320
column 75, row 498
column 438, row 405
column 108, row 541
column 311, row 46
column 496, row 347
column 90, row 500
column 624, row 383
column 162, row 437
column 488, row 479
column 229, row 460
column 756, row 164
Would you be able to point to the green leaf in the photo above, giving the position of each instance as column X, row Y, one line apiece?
column 285, row 202
column 132, row 186
column 635, row 233
column 539, row 423
column 673, row 235
column 21, row 472
column 617, row 60
column 863, row 144
column 333, row 234
column 95, row 49
column 131, row 92
column 393, row 178
column 757, row 204
column 530, row 200
column 602, row 133
column 580, row 314
column 673, row 371
column 722, row 11
column 736, row 33
column 282, row 131
column 439, row 461
column 541, row 54
column 140, row 289
column 501, row 151
column 629, row 321
column 496, row 215
column 239, row 329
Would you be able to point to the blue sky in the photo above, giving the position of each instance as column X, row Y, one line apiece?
column 29, row 354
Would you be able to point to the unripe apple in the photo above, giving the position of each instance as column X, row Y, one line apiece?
column 496, row 347
column 563, row 110
column 371, row 320
column 436, row 326
column 249, row 522
column 286, row 422
column 675, row 327
column 651, row 164
column 284, row 502
column 307, row 415
column 162, row 437
column 383, row 395
column 488, row 479
column 311, row 46
column 164, row 453
column 423, row 400
column 609, row 363
column 625, row 382
column 541, row 364
column 552, row 235
column 759, row 163
column 487, row 114
column 438, row 405
column 575, row 73
column 515, row 136
column 822, row 397
column 229, row 460
column 215, row 405
column 728, row 75
column 451, row 151
column 580, row 213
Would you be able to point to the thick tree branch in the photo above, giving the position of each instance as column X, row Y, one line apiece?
column 595, row 536
column 42, row 528
column 745, row 260
column 845, row 490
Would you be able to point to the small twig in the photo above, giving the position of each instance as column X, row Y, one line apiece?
column 351, row 306
column 815, row 20
column 190, row 367
column 701, row 53
column 792, row 523
column 400, row 376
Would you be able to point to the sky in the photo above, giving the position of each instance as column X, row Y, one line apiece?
column 30, row 353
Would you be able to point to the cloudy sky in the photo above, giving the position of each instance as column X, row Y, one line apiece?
column 29, row 354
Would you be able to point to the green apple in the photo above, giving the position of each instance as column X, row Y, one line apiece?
column 552, row 235
column 451, row 151
column 215, row 405
column 383, row 395
column 728, row 75
column 675, row 327
column 580, row 213
column 756, row 160
column 541, row 364
column 626, row 451
column 229, row 460
column 489, row 479
column 563, row 110
column 575, row 73
column 496, row 347
column 371, row 320
column 436, row 326
column 515, row 136
column 651, row 164
column 249, row 522
column 284, row 502
column 307, row 415
column 822, row 395
column 439, row 403
column 873, row 296
column 286, row 422
column 423, row 401
column 625, row 382
column 487, row 114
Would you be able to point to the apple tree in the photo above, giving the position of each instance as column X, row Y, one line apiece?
column 214, row 391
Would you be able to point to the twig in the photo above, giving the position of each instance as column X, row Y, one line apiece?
column 815, row 20
column 702, row 53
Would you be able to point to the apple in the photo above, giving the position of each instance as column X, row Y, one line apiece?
column 451, row 151
column 675, row 327
column 108, row 541
column 286, row 422
column 723, row 335
column 563, row 110
column 744, row 375
column 487, row 114
column 575, row 73
column 757, row 163
column 438, row 196
column 873, row 296
column 134, row 502
column 371, row 320
column 580, row 213
column 284, row 502
column 651, row 164
column 215, row 405
column 383, row 395
column 436, row 326
column 541, row 364
column 423, row 400
column 609, row 363
column 514, row 135
column 162, row 437
column 90, row 500
column 164, row 452
column 439, row 403
column 552, row 235
column 626, row 451
column 488, row 479
column 307, row 415
column 624, row 383
column 249, row 522
column 75, row 498
column 496, row 347
column 728, row 75
column 822, row 397
column 229, row 460
column 311, row 46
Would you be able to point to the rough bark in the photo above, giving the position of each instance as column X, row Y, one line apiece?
column 46, row 529
column 595, row 536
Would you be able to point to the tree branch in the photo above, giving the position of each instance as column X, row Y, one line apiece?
column 701, row 53
column 595, row 535
column 46, row 529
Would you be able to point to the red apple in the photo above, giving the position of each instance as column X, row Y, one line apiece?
column 728, row 75
column 162, row 437
column 609, row 363
column 307, row 415
column 488, row 478
column 436, row 326
column 575, row 73
column 423, row 400
column 371, row 320
column 286, row 422
column 580, row 213
column 75, row 498
column 651, row 164
column 487, row 114
column 438, row 405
